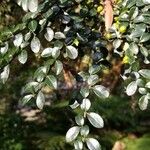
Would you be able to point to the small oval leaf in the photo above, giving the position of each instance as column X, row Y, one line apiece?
column 95, row 119
column 74, row 105
column 47, row 52
column 23, row 57
column 26, row 99
column 32, row 25
column 40, row 100
column 55, row 52
column 51, row 81
column 4, row 49
column 85, row 92
column 59, row 35
column 93, row 144
column 5, row 74
column 72, row 52
column 72, row 133
column 78, row 145
column 86, row 104
column 35, row 45
column 143, row 102
column 25, row 5
column 93, row 79
column 84, row 130
column 101, row 91
column 145, row 73
column 33, row 5
column 79, row 120
column 58, row 67
column 131, row 88
column 18, row 40
column 49, row 35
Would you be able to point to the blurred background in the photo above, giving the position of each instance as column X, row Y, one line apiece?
column 27, row 128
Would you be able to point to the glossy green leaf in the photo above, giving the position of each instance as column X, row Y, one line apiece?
column 51, row 81
column 35, row 45
column 93, row 79
column 95, row 119
column 40, row 100
column 27, row 98
column 72, row 52
column 59, row 35
column 79, row 120
column 145, row 37
column 86, row 104
column 131, row 88
column 72, row 133
column 84, row 92
column 101, row 91
column 143, row 102
column 93, row 144
column 47, row 52
column 23, row 56
column 33, row 5
column 5, row 74
column 84, row 130
column 145, row 73
column 18, row 40
column 32, row 25
column 58, row 67
column 49, row 35
column 78, row 145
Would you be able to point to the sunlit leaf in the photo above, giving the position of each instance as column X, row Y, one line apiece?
column 32, row 25
column 84, row 91
column 72, row 133
column 93, row 79
column 58, row 67
column 5, row 74
column 33, row 5
column 93, row 144
column 147, row 85
column 51, row 81
column 72, row 52
column 145, row 37
column 31, row 87
column 27, row 98
column 25, row 5
column 55, row 52
column 101, row 91
column 134, row 48
column 18, row 40
column 59, row 35
column 131, row 88
column 74, row 105
column 78, row 145
column 22, row 57
column 143, row 102
column 79, row 120
column 49, row 35
column 4, row 49
column 95, row 119
column 35, row 45
column 145, row 73
column 40, row 100
column 84, row 130
column 117, row 43
column 47, row 52
column 86, row 104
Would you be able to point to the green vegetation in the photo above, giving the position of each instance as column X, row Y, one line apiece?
column 74, row 74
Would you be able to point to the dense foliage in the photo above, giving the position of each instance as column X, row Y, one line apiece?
column 71, row 46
